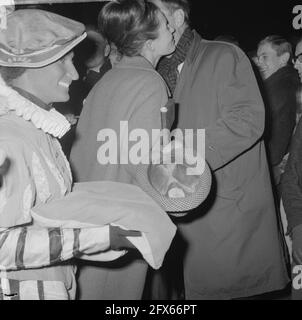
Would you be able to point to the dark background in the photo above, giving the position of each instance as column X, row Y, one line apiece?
column 248, row 20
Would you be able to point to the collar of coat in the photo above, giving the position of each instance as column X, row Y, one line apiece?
column 137, row 62
column 141, row 63
column 287, row 73
column 49, row 121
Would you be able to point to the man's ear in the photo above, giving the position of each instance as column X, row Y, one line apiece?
column 285, row 58
column 179, row 18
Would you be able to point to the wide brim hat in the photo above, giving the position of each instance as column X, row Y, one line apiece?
column 193, row 189
column 35, row 38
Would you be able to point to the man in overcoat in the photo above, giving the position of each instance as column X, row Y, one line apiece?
column 234, row 248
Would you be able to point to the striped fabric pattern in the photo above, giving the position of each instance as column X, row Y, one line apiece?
column 37, row 247
column 32, row 290
column 40, row 174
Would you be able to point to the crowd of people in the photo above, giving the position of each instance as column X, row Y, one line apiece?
column 98, row 231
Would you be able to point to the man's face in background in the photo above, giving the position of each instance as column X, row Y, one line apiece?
column 171, row 17
column 268, row 60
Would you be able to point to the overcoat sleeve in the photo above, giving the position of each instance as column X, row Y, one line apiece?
column 282, row 119
column 241, row 121
column 291, row 181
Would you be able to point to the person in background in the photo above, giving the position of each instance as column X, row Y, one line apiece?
column 291, row 187
column 98, row 63
column 281, row 84
column 98, row 58
column 233, row 247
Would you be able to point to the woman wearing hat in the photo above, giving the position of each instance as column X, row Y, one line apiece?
column 44, row 219
column 132, row 92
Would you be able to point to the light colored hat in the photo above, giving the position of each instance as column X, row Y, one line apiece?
column 35, row 38
column 177, row 192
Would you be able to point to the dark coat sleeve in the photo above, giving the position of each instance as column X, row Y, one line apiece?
column 291, row 182
column 281, row 118
column 241, row 121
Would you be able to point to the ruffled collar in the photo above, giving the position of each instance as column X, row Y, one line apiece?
column 51, row 122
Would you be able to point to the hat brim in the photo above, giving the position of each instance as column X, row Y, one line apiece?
column 176, row 206
column 41, row 59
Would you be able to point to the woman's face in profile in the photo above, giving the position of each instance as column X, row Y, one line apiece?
column 164, row 44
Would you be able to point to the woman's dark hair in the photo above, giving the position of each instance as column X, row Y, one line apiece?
column 9, row 74
column 128, row 24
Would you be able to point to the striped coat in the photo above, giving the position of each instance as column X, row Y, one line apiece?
column 37, row 173
column 46, row 220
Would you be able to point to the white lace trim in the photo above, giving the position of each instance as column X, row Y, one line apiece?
column 40, row 178
column 51, row 122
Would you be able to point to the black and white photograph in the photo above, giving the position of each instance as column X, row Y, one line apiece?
column 150, row 151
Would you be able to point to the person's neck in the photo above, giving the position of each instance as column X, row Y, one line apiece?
column 153, row 60
column 23, row 85
column 33, row 98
